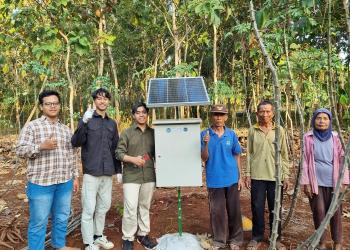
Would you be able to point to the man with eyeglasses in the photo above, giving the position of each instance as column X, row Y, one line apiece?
column 97, row 135
column 52, row 173
column 136, row 150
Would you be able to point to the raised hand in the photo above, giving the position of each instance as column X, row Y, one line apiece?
column 206, row 138
column 88, row 114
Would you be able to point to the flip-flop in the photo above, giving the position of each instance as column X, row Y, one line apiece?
column 253, row 245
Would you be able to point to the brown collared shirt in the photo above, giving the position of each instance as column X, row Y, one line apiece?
column 47, row 167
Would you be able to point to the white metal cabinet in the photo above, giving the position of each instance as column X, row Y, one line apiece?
column 178, row 156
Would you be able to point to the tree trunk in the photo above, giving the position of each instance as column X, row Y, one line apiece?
column 70, row 82
column 101, row 46
column 215, row 66
column 116, row 83
column 35, row 107
column 248, row 100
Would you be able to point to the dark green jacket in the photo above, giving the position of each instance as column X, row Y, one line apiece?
column 134, row 142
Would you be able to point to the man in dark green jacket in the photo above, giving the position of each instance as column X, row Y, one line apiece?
column 136, row 150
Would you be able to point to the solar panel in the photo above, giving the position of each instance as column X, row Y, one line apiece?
column 180, row 91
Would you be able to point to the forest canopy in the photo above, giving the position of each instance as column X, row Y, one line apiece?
column 74, row 46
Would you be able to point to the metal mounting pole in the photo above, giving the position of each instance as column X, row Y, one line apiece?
column 179, row 211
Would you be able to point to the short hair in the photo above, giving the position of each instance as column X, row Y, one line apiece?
column 137, row 105
column 265, row 102
column 101, row 92
column 47, row 93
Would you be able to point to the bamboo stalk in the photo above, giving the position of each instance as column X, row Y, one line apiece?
column 277, row 100
column 302, row 131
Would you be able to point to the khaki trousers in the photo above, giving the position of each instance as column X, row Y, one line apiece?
column 96, row 201
column 137, row 202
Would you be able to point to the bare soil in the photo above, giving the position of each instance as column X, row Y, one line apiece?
column 163, row 210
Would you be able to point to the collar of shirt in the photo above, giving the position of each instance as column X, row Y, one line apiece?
column 212, row 132
column 257, row 126
column 135, row 127
column 44, row 118
column 98, row 115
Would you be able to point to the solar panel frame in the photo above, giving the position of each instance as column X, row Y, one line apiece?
column 169, row 93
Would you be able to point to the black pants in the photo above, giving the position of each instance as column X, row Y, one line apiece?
column 260, row 191
column 319, row 206
column 225, row 215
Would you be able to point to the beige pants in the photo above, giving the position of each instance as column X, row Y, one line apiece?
column 137, row 201
column 96, row 201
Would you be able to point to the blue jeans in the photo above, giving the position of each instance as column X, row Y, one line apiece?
column 43, row 201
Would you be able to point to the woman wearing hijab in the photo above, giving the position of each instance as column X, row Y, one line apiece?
column 323, row 154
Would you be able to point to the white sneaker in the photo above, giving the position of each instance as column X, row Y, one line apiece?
column 92, row 247
column 103, row 242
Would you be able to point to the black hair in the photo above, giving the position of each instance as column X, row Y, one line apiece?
column 137, row 105
column 265, row 102
column 47, row 93
column 101, row 92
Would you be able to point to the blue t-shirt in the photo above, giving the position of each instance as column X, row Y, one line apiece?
column 221, row 166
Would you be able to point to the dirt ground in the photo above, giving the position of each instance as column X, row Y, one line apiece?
column 14, row 209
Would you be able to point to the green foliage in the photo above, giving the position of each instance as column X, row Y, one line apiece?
column 183, row 69
column 221, row 90
column 80, row 42
column 210, row 9
column 36, row 67
column 101, row 82
column 57, row 84
column 261, row 18
column 46, row 50
column 140, row 36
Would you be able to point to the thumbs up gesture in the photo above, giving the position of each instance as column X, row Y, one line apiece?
column 88, row 114
column 49, row 143
column 206, row 138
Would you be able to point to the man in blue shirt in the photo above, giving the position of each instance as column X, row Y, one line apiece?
column 221, row 153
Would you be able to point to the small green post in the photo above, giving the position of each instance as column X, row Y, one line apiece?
column 179, row 211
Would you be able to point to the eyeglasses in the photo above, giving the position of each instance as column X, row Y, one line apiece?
column 51, row 104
